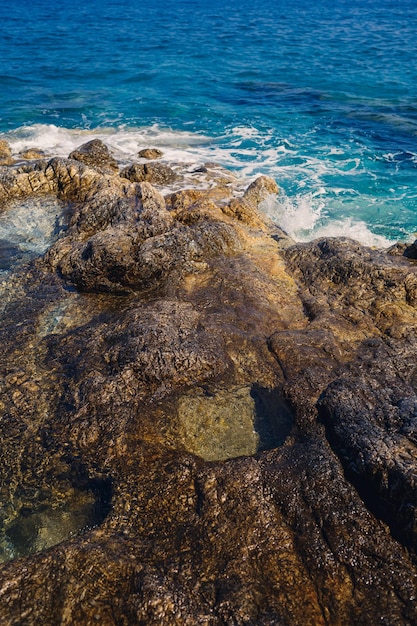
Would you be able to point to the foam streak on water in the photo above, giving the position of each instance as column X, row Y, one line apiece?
column 321, row 96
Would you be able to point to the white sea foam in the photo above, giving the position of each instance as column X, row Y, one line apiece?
column 124, row 142
column 307, row 206
column 305, row 218
column 261, row 155
column 357, row 230
column 245, row 132
column 297, row 216
column 47, row 137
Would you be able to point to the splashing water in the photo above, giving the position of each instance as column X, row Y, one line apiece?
column 320, row 96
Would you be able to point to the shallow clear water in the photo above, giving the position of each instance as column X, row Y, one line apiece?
column 322, row 96
column 28, row 227
column 34, row 528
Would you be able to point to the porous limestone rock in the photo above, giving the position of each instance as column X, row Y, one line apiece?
column 260, row 189
column 95, row 154
column 150, row 153
column 5, row 153
column 156, row 173
column 245, row 208
column 202, row 422
column 32, row 153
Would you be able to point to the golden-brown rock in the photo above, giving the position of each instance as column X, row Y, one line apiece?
column 202, row 422
column 5, row 153
column 150, row 153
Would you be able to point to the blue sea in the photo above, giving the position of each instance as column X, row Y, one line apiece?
column 322, row 96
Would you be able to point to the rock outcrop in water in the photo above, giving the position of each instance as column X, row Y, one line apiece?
column 202, row 422
column 150, row 153
column 5, row 153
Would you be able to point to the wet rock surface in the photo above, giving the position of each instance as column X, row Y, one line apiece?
column 201, row 422
column 5, row 153
column 97, row 155
column 150, row 153
column 156, row 173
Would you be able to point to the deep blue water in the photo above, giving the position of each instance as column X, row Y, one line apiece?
column 320, row 95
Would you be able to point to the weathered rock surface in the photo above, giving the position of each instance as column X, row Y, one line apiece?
column 5, row 153
column 156, row 173
column 32, row 153
column 411, row 251
column 202, row 422
column 95, row 154
column 150, row 153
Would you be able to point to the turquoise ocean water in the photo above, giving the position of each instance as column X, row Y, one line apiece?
column 320, row 95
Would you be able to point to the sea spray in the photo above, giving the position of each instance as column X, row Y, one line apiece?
column 305, row 218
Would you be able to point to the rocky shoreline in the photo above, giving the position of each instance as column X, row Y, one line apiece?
column 202, row 421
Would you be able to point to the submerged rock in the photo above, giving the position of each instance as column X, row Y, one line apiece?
column 201, row 422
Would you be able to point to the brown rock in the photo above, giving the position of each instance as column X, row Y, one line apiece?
column 260, row 189
column 245, row 212
column 150, row 153
column 32, row 153
column 245, row 209
column 184, row 199
column 96, row 154
column 207, row 429
column 5, row 153
column 155, row 173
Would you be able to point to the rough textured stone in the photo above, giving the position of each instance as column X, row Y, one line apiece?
column 140, row 248
column 156, row 173
column 245, row 208
column 95, row 154
column 244, row 211
column 5, row 153
column 32, row 153
column 202, row 422
column 184, row 199
column 370, row 416
column 150, row 153
column 260, row 189
column 410, row 251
